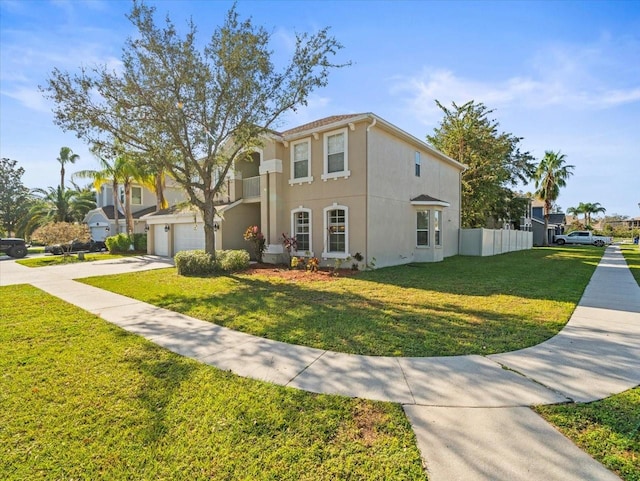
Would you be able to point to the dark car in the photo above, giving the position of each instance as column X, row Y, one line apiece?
column 76, row 246
column 13, row 247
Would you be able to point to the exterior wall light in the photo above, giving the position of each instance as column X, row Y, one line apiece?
column 167, row 227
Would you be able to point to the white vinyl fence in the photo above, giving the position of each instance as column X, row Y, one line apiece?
column 491, row 242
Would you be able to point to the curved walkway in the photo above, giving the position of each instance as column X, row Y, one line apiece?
column 470, row 413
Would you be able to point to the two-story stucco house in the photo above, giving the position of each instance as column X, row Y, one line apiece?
column 341, row 185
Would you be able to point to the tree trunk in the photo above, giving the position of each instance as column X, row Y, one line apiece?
column 209, row 216
column 547, row 208
column 127, row 207
column 115, row 207
column 160, row 200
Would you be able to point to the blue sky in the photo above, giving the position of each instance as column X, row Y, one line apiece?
column 562, row 75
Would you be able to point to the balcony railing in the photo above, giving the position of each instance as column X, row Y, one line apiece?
column 251, row 187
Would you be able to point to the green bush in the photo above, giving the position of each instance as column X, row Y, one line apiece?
column 140, row 242
column 233, row 261
column 199, row 263
column 118, row 243
column 194, row 263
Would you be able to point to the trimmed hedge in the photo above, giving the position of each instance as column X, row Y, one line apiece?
column 200, row 263
column 122, row 243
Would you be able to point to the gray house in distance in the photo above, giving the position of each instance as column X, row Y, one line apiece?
column 557, row 223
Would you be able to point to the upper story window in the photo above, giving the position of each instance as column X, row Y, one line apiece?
column 422, row 228
column 336, row 220
column 301, row 228
column 336, row 156
column 418, row 162
column 136, row 195
column 301, row 162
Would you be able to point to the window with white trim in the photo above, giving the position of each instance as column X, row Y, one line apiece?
column 336, row 158
column 136, row 195
column 437, row 216
column 336, row 221
column 422, row 228
column 301, row 228
column 301, row 161
column 418, row 162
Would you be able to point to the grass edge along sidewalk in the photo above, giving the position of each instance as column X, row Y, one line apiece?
column 83, row 399
column 463, row 305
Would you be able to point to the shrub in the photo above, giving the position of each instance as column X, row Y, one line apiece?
column 118, row 243
column 253, row 235
column 194, row 263
column 200, row 263
column 232, row 261
column 140, row 242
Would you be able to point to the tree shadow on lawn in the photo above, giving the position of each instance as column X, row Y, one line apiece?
column 345, row 321
column 556, row 274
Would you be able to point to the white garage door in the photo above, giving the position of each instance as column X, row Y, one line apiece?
column 160, row 240
column 186, row 238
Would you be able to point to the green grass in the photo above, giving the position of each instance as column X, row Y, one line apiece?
column 631, row 253
column 70, row 259
column 609, row 430
column 82, row 399
column 463, row 305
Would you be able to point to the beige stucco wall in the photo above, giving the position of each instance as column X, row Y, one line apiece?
column 392, row 184
column 234, row 224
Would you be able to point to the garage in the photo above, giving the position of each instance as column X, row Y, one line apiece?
column 188, row 237
column 161, row 240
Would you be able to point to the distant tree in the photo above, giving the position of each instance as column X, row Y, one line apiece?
column 495, row 162
column 576, row 211
column 66, row 156
column 591, row 209
column 14, row 196
column 61, row 233
column 197, row 111
column 550, row 176
column 56, row 205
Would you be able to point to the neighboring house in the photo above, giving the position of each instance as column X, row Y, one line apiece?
column 556, row 226
column 341, row 185
column 101, row 220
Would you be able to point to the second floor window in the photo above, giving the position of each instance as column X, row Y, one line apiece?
column 336, row 157
column 301, row 160
column 418, row 162
column 136, row 195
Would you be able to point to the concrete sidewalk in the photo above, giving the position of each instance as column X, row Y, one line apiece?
column 470, row 413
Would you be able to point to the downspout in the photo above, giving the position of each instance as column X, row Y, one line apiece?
column 366, row 189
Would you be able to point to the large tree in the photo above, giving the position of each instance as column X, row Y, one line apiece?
column 14, row 196
column 494, row 161
column 551, row 175
column 196, row 111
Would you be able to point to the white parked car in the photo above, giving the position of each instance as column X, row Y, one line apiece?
column 583, row 237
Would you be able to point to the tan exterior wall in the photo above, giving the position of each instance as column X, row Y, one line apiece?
column 392, row 184
column 234, row 224
column 320, row 194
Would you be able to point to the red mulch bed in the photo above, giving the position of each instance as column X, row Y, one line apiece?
column 299, row 275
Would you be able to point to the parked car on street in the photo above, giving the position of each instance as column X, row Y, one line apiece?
column 584, row 237
column 13, row 247
column 75, row 246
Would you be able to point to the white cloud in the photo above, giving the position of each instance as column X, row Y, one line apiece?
column 593, row 77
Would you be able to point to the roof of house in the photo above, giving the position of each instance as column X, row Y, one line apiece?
column 320, row 123
column 109, row 212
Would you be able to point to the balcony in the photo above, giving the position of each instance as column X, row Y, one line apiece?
column 251, row 188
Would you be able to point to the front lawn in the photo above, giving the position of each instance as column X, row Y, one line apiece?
column 463, row 305
column 68, row 259
column 631, row 253
column 83, row 399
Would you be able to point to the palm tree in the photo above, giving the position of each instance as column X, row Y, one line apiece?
column 577, row 211
column 592, row 208
column 56, row 205
column 121, row 171
column 552, row 174
column 66, row 155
